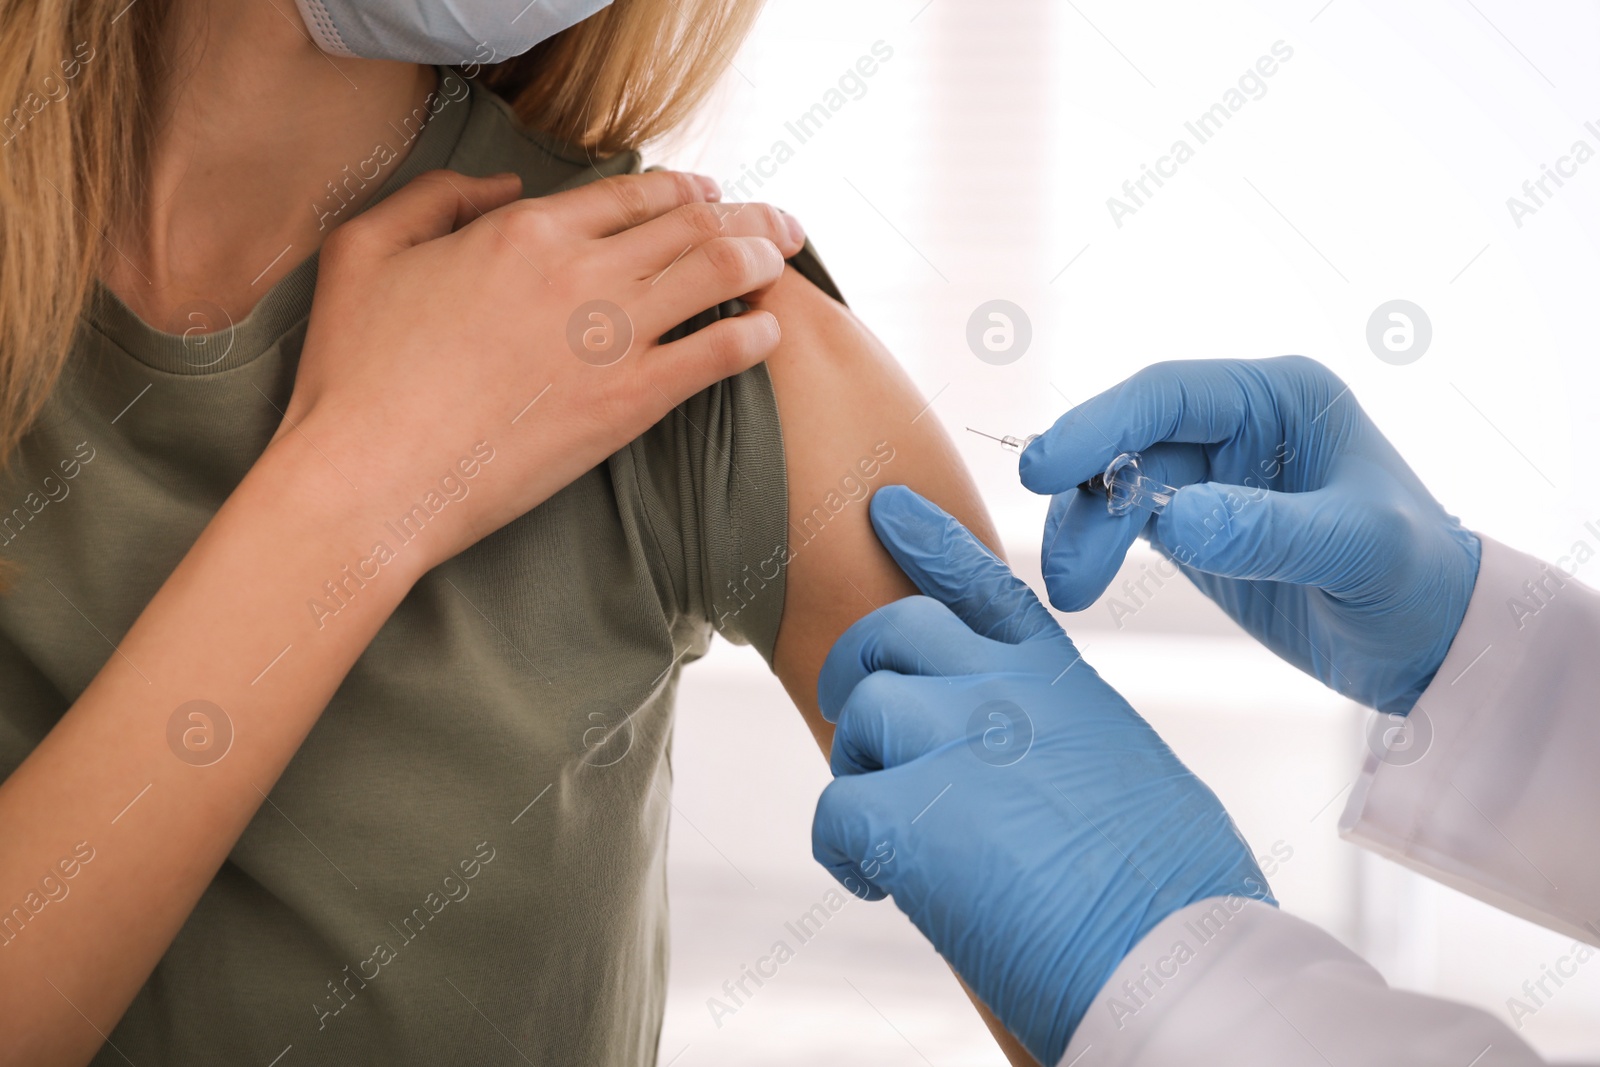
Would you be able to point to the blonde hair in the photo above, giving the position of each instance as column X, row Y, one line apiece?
column 66, row 165
column 623, row 77
column 70, row 171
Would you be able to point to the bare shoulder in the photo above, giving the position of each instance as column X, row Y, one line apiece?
column 853, row 421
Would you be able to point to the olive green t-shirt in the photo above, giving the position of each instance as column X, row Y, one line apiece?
column 466, row 860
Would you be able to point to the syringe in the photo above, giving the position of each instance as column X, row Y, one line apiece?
column 1127, row 486
column 1123, row 482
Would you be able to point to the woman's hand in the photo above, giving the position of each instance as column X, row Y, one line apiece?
column 488, row 350
column 440, row 315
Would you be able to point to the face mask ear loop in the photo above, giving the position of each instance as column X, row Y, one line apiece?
column 320, row 23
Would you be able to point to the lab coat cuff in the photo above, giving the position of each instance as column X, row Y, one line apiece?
column 1153, row 992
column 1235, row 981
column 1484, row 783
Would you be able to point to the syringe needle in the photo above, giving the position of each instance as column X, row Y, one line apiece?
column 1011, row 444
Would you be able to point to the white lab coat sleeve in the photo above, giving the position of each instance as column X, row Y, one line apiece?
column 1496, row 789
column 1237, row 982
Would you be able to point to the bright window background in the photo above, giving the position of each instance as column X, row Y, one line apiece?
column 974, row 164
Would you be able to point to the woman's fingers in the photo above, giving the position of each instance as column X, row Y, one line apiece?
column 660, row 243
column 612, row 205
column 430, row 206
column 703, row 277
column 726, row 347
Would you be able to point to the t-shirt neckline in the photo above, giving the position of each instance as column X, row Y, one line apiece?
column 289, row 301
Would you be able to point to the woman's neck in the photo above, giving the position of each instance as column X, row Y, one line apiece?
column 256, row 122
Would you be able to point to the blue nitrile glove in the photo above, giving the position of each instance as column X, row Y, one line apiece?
column 1296, row 516
column 1028, row 821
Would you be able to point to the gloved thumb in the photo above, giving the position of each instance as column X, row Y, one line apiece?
column 1084, row 544
column 845, row 839
column 944, row 561
column 1237, row 531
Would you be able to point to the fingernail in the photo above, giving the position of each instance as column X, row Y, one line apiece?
column 797, row 232
column 713, row 191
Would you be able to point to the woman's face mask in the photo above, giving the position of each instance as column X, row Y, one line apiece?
column 439, row 31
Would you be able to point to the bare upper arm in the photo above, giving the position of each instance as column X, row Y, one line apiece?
column 852, row 423
column 847, row 409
